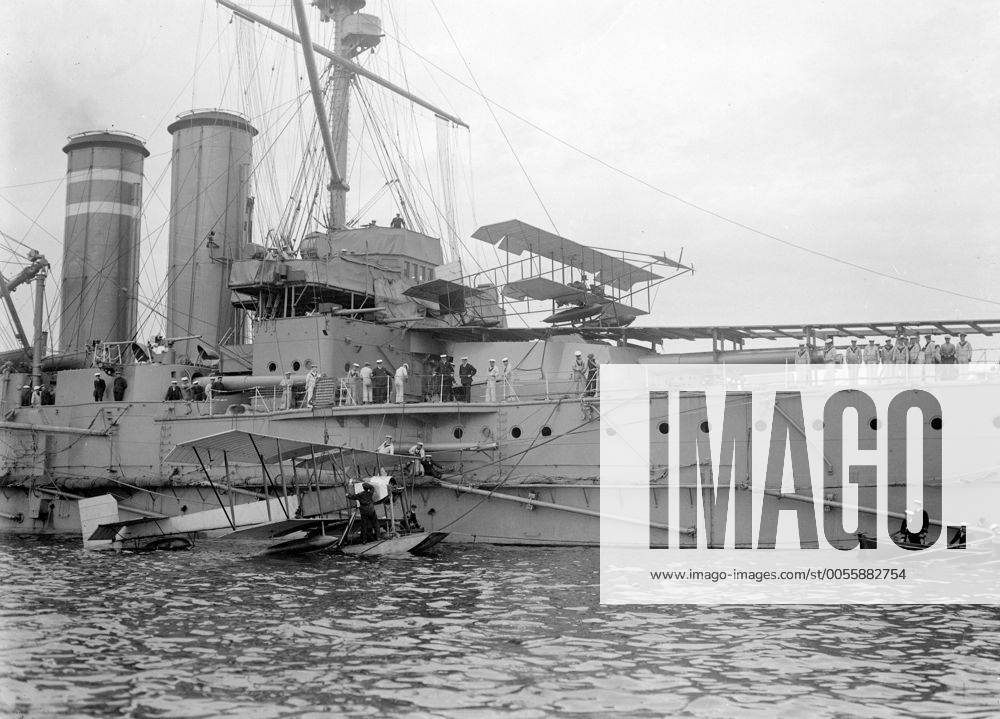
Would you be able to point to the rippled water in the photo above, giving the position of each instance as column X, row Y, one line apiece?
column 474, row 631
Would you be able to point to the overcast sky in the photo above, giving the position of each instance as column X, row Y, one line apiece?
column 866, row 131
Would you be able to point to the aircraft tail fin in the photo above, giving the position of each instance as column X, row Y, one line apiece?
column 95, row 511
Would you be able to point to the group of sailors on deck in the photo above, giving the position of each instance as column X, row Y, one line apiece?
column 904, row 350
column 442, row 381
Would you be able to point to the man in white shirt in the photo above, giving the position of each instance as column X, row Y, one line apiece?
column 311, row 379
column 386, row 447
column 963, row 350
column 402, row 372
column 492, row 375
column 366, row 383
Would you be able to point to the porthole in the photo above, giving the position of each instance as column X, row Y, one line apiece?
column 936, row 423
column 515, row 432
column 873, row 423
column 546, row 431
column 610, row 432
column 487, row 432
column 271, row 366
column 457, row 432
column 296, row 366
column 664, row 428
column 760, row 425
column 704, row 427
column 818, row 424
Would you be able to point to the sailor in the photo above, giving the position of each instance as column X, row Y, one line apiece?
column 399, row 382
column 214, row 385
column 99, row 387
column 36, row 396
column 466, row 372
column 492, row 375
column 580, row 284
column 871, row 353
column 311, row 379
column 185, row 389
column 26, row 395
column 948, row 352
column 118, row 387
column 366, row 510
column 830, row 353
column 197, row 391
column 397, row 222
column 365, row 373
column 885, row 353
column 173, row 392
column 158, row 348
column 507, row 375
column 932, row 355
column 963, row 350
column 447, row 378
column 901, row 353
column 48, row 396
column 592, row 368
column 915, row 353
column 417, row 450
column 578, row 371
column 904, row 530
column 286, row 385
column 853, row 353
column 353, row 385
column 429, row 379
column 386, row 447
column 381, row 378
column 802, row 354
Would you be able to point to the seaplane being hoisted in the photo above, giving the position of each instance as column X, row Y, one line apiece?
column 310, row 516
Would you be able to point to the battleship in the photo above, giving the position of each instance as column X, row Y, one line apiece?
column 345, row 335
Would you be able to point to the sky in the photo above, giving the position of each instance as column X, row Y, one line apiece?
column 816, row 161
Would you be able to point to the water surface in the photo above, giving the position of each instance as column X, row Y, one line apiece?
column 474, row 631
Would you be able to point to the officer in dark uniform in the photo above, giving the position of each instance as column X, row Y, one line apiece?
column 197, row 391
column 466, row 372
column 100, row 386
column 48, row 396
column 26, row 395
column 118, row 387
column 173, row 392
column 366, row 510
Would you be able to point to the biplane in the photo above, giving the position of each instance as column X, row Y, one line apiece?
column 297, row 512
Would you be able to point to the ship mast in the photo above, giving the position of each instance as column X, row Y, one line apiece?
column 350, row 40
column 336, row 152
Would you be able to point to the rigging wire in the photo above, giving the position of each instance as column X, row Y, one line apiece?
column 496, row 120
column 693, row 205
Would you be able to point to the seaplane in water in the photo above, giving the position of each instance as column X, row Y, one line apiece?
column 306, row 503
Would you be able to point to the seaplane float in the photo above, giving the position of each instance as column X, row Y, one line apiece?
column 314, row 514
